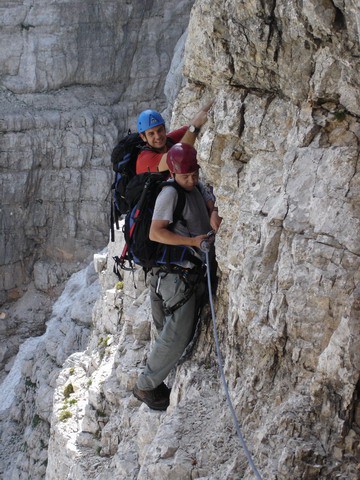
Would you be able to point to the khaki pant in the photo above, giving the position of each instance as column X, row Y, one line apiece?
column 175, row 329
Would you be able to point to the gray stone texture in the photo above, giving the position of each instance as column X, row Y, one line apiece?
column 74, row 76
column 281, row 148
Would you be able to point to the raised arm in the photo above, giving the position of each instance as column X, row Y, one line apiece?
column 198, row 121
column 190, row 136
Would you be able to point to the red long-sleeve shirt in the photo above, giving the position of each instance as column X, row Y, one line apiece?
column 148, row 160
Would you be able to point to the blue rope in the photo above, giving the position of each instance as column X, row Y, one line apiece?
column 219, row 358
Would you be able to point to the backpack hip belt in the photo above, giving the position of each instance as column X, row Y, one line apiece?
column 179, row 269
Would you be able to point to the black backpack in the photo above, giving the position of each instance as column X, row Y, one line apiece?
column 141, row 194
column 123, row 159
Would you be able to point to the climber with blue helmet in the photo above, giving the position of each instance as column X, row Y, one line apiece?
column 151, row 127
column 153, row 158
column 149, row 119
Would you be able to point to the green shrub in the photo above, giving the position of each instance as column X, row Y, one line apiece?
column 340, row 115
column 103, row 342
column 29, row 383
column 68, row 390
column 35, row 421
column 64, row 415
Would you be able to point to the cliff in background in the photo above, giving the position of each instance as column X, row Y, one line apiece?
column 74, row 77
column 281, row 148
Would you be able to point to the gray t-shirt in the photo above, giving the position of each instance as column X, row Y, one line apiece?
column 195, row 214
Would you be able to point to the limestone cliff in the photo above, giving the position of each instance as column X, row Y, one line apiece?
column 281, row 148
column 74, row 75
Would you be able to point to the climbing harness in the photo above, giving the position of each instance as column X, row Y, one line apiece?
column 205, row 247
column 184, row 277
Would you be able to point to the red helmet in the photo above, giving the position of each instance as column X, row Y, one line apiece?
column 181, row 158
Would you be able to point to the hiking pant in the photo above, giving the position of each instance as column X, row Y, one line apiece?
column 175, row 328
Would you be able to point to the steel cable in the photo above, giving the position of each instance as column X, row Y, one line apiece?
column 220, row 363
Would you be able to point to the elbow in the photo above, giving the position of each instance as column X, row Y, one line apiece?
column 152, row 235
column 158, row 231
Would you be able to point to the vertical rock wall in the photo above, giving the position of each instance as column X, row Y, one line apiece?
column 74, row 75
column 282, row 149
column 73, row 78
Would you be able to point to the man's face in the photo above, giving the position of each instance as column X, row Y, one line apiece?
column 187, row 181
column 155, row 137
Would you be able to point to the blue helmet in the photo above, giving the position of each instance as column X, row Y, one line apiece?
column 149, row 119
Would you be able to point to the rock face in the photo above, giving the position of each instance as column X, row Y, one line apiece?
column 281, row 148
column 283, row 151
column 73, row 79
column 27, row 392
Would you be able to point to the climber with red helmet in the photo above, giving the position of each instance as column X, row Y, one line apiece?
column 177, row 288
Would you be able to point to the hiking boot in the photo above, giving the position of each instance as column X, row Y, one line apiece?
column 163, row 389
column 155, row 399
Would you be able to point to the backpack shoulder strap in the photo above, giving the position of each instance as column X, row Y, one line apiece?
column 178, row 212
column 180, row 205
column 170, row 142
